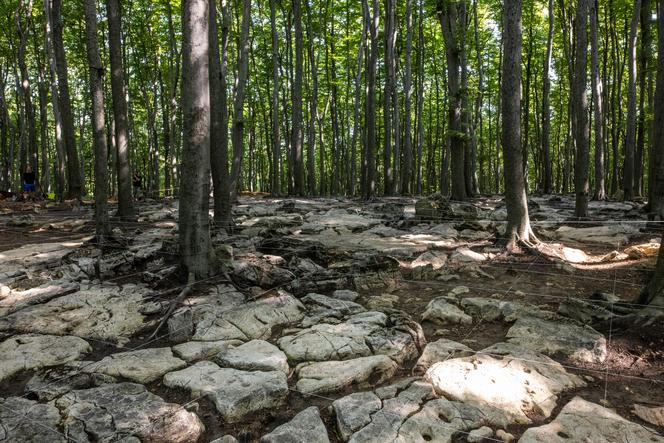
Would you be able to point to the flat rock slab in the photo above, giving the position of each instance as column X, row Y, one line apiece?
column 103, row 312
column 334, row 376
column 653, row 415
column 126, row 412
column 511, row 385
column 441, row 350
column 583, row 421
column 361, row 335
column 37, row 256
column 26, row 421
column 441, row 311
column 320, row 307
column 17, row 300
column 305, row 427
column 199, row 350
column 234, row 392
column 578, row 343
column 142, row 366
column 253, row 320
column 32, row 351
column 492, row 309
column 256, row 355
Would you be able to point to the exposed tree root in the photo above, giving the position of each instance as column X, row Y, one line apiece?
column 174, row 304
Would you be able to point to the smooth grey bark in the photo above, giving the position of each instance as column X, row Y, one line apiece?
column 407, row 141
column 546, row 107
column 643, row 73
column 96, row 72
column 420, row 99
column 518, row 221
column 120, row 113
column 218, row 120
column 29, row 150
column 296, row 134
column 369, row 165
column 313, row 115
column 598, row 105
column 452, row 15
column 630, row 136
column 275, row 186
column 656, row 185
column 74, row 188
column 237, row 130
column 357, row 100
column 60, row 170
column 390, row 123
column 42, row 87
column 194, row 230
column 580, row 100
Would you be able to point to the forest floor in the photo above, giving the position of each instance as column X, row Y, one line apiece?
column 330, row 320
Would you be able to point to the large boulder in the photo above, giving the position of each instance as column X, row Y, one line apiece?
column 32, row 351
column 577, row 343
column 583, row 421
column 333, row 376
column 234, row 392
column 126, row 412
column 305, row 427
column 511, row 385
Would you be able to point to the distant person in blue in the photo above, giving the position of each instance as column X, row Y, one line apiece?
column 29, row 180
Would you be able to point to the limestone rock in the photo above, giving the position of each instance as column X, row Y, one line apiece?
column 198, row 350
column 578, row 343
column 509, row 384
column 491, row 309
column 102, row 312
column 52, row 383
column 440, row 311
column 256, row 355
column 127, row 412
column 16, row 300
column 26, row 421
column 305, row 427
column 465, row 255
column 345, row 294
column 321, row 307
column 479, row 435
column 440, row 350
column 334, row 376
column 235, row 393
column 354, row 412
column 253, row 320
column 142, row 366
column 430, row 258
column 581, row 420
column 653, row 415
column 32, row 351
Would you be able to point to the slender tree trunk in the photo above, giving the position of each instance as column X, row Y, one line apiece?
column 237, row 130
column 352, row 181
column 656, row 187
column 630, row 138
column 370, row 115
column 193, row 221
column 64, row 103
column 120, row 113
column 276, row 141
column 518, row 222
column 45, row 179
column 452, row 14
column 98, row 122
column 313, row 115
column 580, row 98
column 644, row 58
column 598, row 106
column 407, row 142
column 420, row 97
column 296, row 144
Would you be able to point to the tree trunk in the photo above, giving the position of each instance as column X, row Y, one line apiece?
column 352, row 177
column 644, row 58
column 120, row 114
column 275, row 187
column 630, row 137
column 518, row 222
column 98, row 123
column 580, row 98
column 313, row 115
column 546, row 107
column 194, row 221
column 407, row 141
column 598, row 106
column 452, row 14
column 370, row 115
column 420, row 98
column 237, row 130
column 64, row 103
column 296, row 144
column 656, row 188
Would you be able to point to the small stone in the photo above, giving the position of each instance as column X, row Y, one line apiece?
column 345, row 294
column 504, row 436
column 653, row 416
column 225, row 439
column 440, row 311
column 305, row 427
column 256, row 355
column 479, row 435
